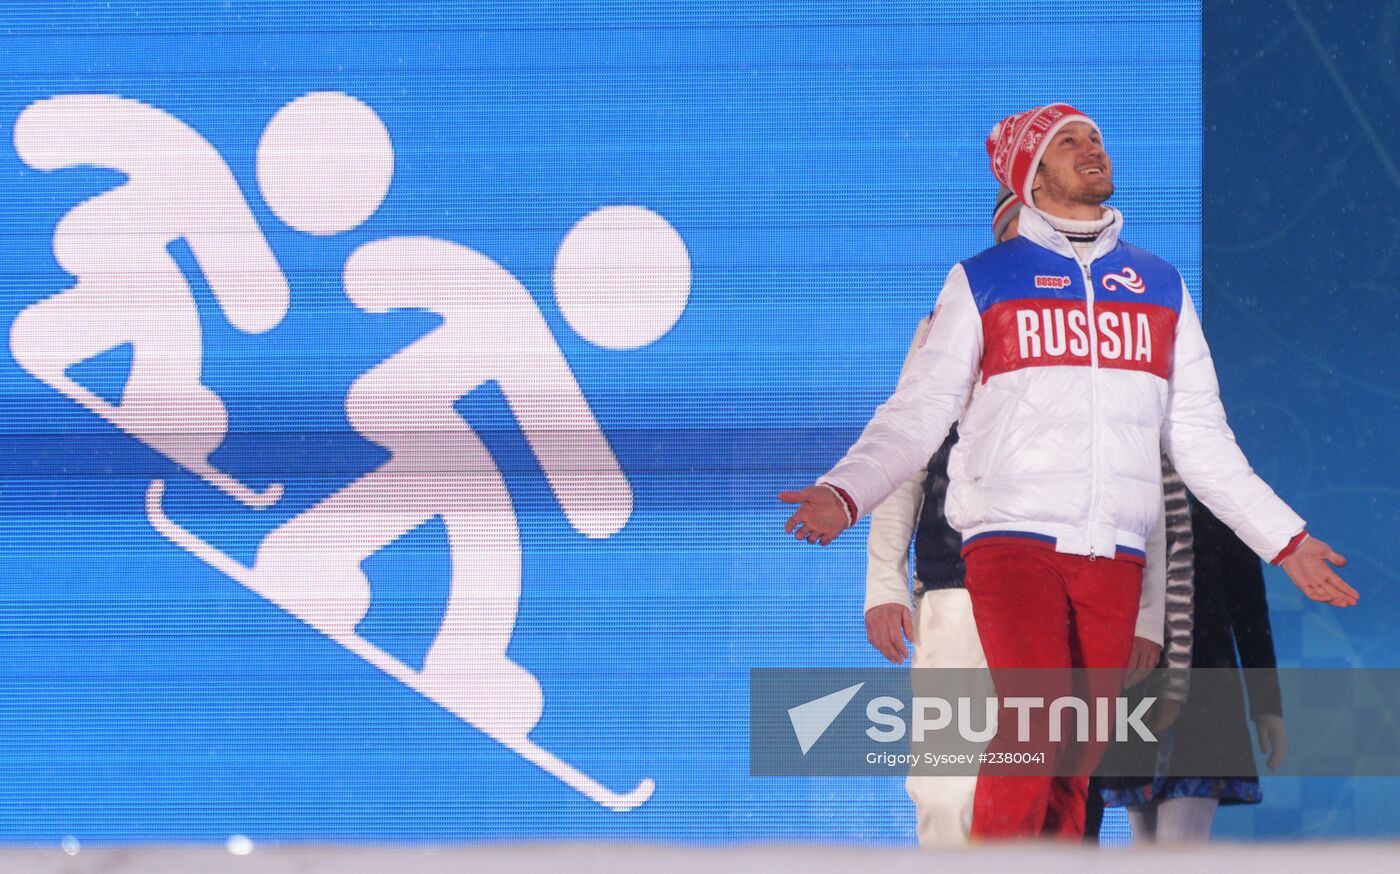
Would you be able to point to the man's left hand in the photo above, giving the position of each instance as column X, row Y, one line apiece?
column 1309, row 570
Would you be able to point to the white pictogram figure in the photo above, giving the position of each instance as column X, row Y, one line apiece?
column 129, row 289
column 622, row 278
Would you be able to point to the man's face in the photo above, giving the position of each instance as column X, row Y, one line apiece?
column 1075, row 169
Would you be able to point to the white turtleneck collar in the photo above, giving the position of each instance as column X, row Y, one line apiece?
column 1084, row 241
column 1080, row 227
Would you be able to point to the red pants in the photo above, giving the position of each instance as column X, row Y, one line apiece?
column 1036, row 608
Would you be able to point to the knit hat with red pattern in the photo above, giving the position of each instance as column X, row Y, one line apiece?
column 1018, row 141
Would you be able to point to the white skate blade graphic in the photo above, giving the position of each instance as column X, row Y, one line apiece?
column 258, row 500
column 521, row 746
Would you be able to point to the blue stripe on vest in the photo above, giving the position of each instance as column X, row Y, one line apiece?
column 1011, row 270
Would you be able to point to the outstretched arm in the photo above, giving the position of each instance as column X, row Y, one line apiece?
column 1201, row 445
column 907, row 428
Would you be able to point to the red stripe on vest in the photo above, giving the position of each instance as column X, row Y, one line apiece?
column 1044, row 332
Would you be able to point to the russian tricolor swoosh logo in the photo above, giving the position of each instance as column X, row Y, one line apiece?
column 1128, row 280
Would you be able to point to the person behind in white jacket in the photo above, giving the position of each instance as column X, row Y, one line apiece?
column 1071, row 360
column 941, row 627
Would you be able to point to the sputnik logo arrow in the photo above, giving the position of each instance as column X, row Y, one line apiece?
column 811, row 720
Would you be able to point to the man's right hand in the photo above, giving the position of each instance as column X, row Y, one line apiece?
column 820, row 518
column 887, row 626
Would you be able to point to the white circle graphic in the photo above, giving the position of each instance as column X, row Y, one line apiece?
column 325, row 161
column 622, row 277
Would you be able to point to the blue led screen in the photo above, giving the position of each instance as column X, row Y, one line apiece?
column 395, row 394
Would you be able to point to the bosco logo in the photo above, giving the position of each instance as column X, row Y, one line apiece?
column 1052, row 282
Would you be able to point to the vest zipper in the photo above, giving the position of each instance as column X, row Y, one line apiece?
column 1093, row 402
